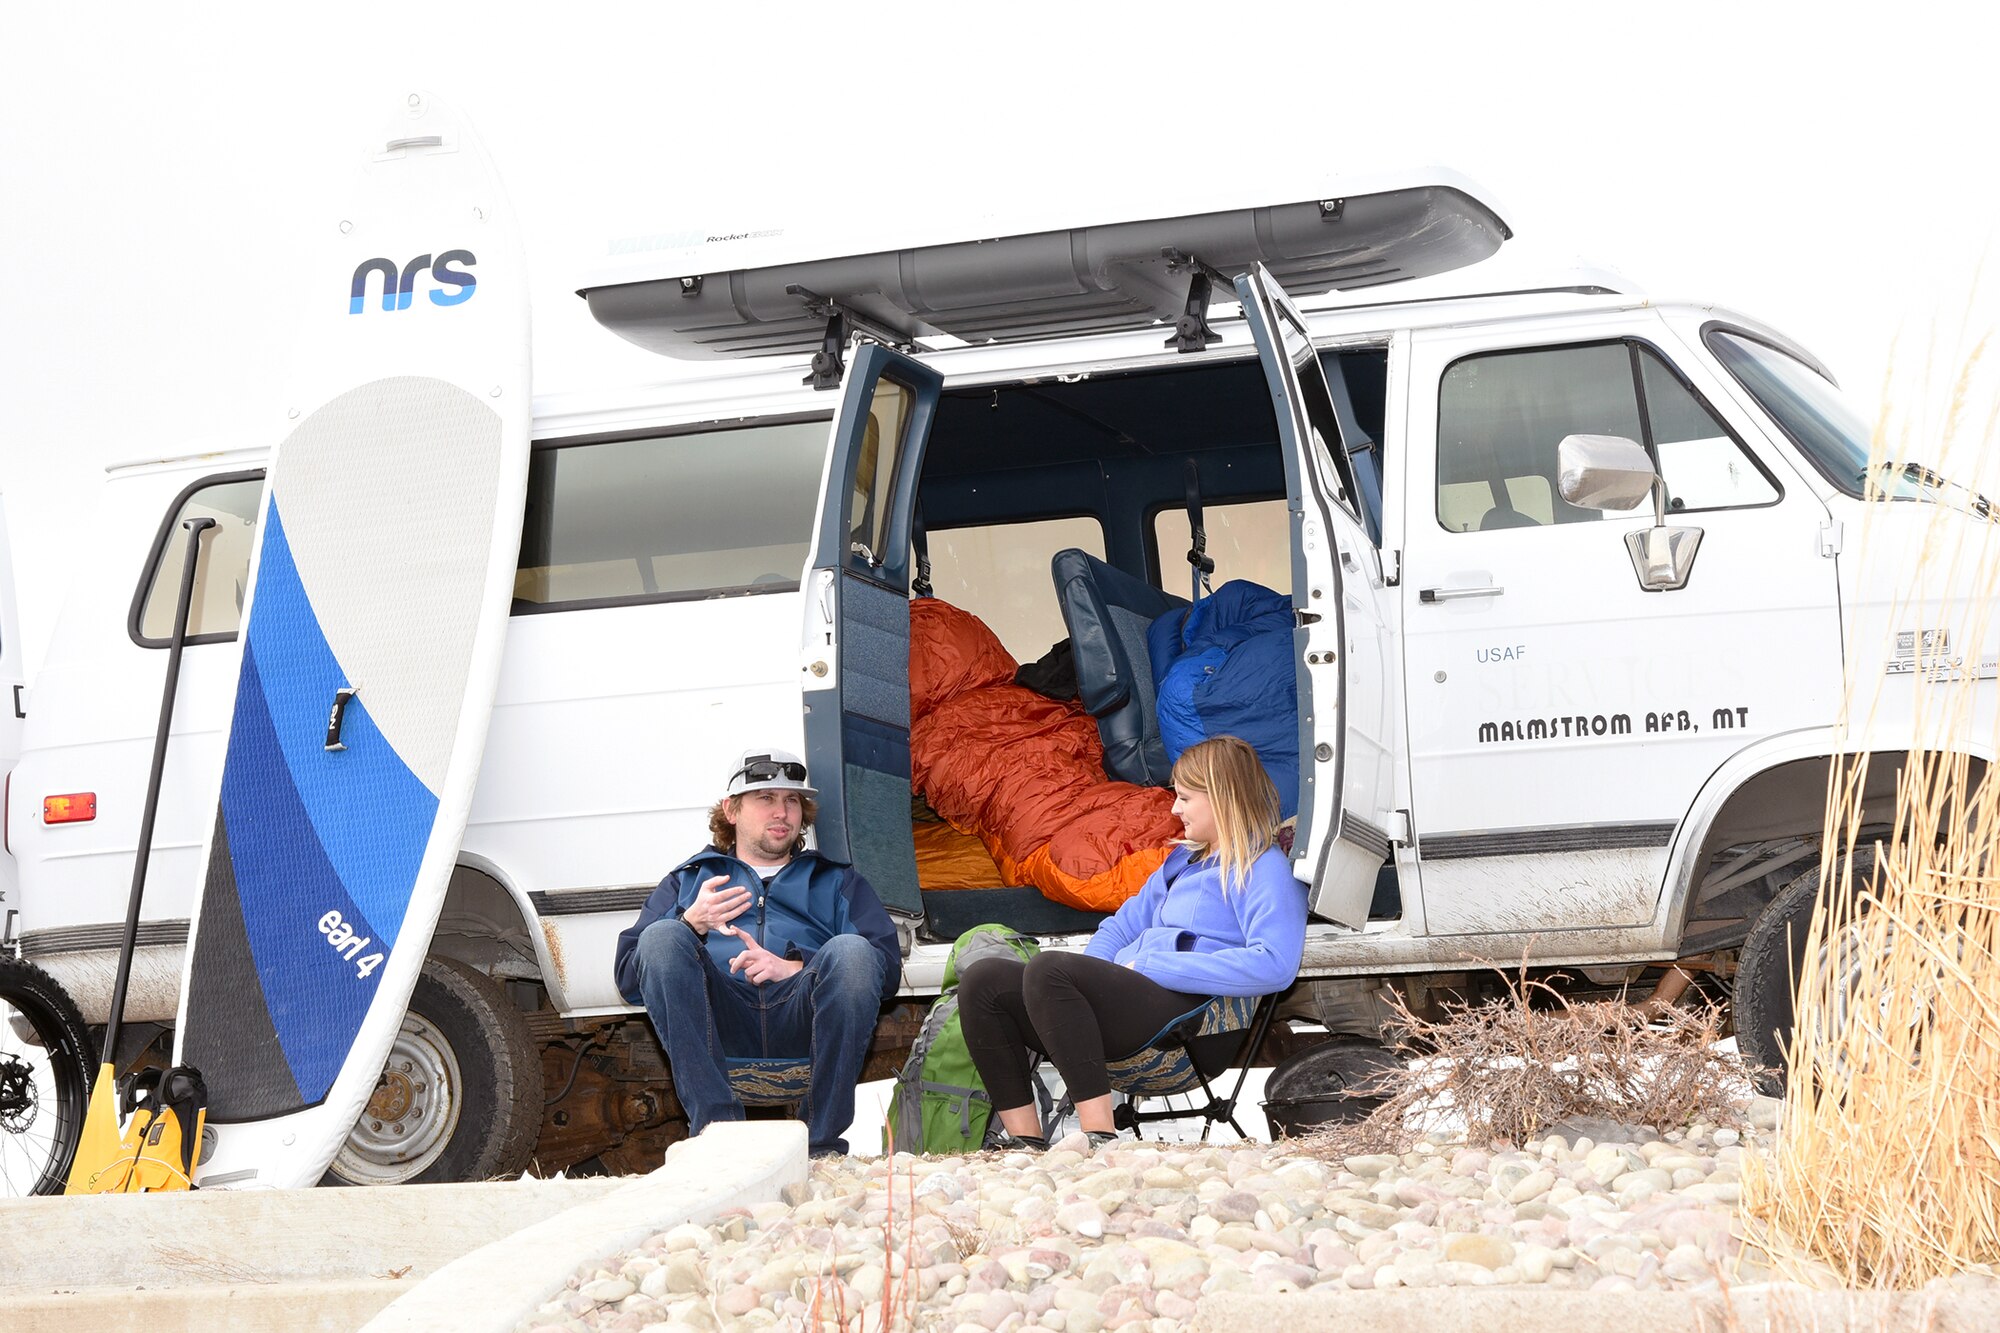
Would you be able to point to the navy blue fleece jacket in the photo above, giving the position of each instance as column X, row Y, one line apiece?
column 808, row 902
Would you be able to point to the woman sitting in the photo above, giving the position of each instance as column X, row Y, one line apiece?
column 1223, row 916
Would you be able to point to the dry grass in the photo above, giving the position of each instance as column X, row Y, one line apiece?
column 827, row 1308
column 1506, row 1071
column 1887, row 1164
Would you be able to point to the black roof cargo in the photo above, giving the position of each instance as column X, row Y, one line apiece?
column 710, row 297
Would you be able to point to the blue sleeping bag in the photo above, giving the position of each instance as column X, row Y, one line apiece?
column 1224, row 667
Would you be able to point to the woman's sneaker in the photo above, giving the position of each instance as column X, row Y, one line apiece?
column 1099, row 1137
column 1010, row 1142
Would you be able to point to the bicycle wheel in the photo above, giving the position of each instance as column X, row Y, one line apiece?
column 45, row 1072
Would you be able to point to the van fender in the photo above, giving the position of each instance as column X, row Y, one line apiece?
column 547, row 962
column 1683, row 860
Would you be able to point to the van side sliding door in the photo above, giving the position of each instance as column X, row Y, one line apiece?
column 1342, row 640
column 855, row 653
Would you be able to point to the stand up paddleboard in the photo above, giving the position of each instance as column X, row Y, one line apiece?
column 372, row 633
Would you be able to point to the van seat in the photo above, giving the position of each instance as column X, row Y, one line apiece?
column 1107, row 613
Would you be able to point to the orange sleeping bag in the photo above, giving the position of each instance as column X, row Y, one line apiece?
column 1024, row 773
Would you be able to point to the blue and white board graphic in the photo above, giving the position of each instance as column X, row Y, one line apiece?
column 373, row 628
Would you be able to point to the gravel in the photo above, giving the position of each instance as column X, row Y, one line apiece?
column 1134, row 1234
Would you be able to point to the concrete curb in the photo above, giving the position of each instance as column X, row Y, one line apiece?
column 219, row 1239
column 1770, row 1308
column 493, row 1288
column 296, row 1307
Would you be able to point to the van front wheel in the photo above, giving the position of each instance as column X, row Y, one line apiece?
column 460, row 1096
column 1763, row 1002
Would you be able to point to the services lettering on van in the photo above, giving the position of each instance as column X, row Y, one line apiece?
column 1588, row 726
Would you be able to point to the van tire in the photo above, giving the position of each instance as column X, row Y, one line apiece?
column 1763, row 1000
column 463, row 1034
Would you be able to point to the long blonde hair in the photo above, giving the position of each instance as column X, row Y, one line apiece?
column 1242, row 797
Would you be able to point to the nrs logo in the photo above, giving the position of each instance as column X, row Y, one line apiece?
column 399, row 284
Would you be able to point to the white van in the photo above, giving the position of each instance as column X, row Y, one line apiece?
column 1534, row 721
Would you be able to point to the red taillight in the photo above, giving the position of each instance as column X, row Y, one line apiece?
column 75, row 808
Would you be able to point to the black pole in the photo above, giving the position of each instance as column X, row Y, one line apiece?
column 195, row 527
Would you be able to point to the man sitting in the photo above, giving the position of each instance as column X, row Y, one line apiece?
column 756, row 946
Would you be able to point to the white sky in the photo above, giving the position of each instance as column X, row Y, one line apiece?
column 1833, row 176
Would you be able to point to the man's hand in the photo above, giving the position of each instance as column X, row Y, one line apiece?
column 714, row 906
column 758, row 964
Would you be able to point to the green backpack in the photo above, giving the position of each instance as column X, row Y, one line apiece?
column 939, row 1106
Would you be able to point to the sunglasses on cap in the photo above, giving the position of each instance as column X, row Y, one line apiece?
column 763, row 768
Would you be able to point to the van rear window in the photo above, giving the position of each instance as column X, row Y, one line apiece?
column 220, row 575
column 698, row 514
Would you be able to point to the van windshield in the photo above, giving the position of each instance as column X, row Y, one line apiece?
column 1810, row 410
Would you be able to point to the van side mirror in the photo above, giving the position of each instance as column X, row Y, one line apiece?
column 1612, row 472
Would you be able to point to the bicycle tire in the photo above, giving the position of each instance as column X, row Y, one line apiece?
column 46, row 1067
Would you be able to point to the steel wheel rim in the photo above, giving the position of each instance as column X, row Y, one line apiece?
column 410, row 1118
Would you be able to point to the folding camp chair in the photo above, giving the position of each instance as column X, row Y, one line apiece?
column 1165, row 1066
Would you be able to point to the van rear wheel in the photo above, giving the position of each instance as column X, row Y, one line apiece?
column 460, row 1096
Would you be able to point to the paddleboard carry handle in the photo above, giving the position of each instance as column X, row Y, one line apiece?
column 338, row 717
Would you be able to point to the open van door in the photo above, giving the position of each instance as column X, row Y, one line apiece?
column 1342, row 640
column 855, row 654
column 12, row 714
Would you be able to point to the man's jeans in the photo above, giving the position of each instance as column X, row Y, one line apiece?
column 826, row 1011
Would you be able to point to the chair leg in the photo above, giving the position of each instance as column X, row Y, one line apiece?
column 1216, row 1108
column 1225, row 1108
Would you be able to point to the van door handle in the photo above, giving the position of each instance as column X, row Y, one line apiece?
column 1456, row 594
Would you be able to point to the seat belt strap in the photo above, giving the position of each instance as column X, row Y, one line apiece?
column 1197, row 555
column 921, row 585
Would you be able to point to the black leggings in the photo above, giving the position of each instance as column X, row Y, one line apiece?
column 1077, row 1010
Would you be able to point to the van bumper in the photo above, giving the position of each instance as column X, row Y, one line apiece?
column 84, row 962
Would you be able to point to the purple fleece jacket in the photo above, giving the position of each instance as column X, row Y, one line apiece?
column 1185, row 932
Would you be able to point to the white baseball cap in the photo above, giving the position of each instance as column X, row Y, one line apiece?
column 769, row 770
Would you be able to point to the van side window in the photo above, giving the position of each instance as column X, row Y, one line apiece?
column 699, row 514
column 869, row 507
column 1502, row 414
column 1250, row 539
column 1000, row 573
column 221, row 575
column 1701, row 460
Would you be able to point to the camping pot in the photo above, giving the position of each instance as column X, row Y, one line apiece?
column 1337, row 1082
